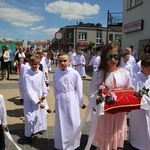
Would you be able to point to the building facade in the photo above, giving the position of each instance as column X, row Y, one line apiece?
column 79, row 36
column 43, row 45
column 136, row 21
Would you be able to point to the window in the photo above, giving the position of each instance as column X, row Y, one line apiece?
column 132, row 3
column 70, row 37
column 82, row 36
column 98, row 38
column 110, row 37
column 43, row 46
column 64, row 37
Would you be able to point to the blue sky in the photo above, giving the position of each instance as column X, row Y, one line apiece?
column 41, row 19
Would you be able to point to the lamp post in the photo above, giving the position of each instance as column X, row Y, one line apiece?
column 107, row 27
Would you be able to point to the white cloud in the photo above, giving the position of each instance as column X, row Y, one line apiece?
column 51, row 32
column 37, row 28
column 18, row 17
column 72, row 10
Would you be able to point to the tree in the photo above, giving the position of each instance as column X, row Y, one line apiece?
column 90, row 45
column 120, row 41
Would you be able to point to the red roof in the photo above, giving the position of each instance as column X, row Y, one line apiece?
column 41, row 42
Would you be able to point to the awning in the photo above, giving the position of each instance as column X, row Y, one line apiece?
column 82, row 43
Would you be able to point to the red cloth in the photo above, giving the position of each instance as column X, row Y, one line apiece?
column 126, row 101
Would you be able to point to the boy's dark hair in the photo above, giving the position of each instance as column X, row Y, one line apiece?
column 146, row 61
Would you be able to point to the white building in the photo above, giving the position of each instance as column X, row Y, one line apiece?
column 38, row 44
column 136, row 24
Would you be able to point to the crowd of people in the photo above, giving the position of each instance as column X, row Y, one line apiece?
column 111, row 66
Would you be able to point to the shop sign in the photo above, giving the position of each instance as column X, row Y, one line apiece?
column 82, row 43
column 133, row 26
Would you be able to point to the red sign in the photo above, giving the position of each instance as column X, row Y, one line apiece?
column 82, row 43
column 133, row 26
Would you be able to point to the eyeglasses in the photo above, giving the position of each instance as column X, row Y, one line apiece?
column 110, row 57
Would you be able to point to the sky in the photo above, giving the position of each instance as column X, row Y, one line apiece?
column 41, row 19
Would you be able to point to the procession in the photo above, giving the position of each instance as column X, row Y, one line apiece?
column 34, row 69
column 74, row 75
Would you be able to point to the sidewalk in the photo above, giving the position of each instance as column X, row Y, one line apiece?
column 9, row 89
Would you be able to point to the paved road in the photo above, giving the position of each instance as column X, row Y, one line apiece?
column 9, row 88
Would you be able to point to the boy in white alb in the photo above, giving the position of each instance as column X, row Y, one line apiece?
column 24, row 67
column 68, row 99
column 95, row 61
column 125, row 64
column 36, row 92
column 73, row 56
column 80, row 64
column 139, row 128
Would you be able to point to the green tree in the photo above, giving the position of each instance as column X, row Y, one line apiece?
column 90, row 45
column 120, row 41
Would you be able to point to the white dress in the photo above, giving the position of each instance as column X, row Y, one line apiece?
column 94, row 62
column 128, row 66
column 24, row 68
column 68, row 99
column 139, row 129
column 46, row 69
column 80, row 65
column 73, row 56
column 3, row 113
column 34, row 87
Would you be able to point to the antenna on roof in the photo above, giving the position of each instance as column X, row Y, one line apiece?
column 77, row 22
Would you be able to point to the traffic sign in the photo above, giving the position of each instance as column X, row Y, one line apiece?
column 58, row 35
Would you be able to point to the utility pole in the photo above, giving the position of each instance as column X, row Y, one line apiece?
column 107, row 27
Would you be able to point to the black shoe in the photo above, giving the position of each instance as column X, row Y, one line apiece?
column 78, row 148
column 83, row 77
column 29, row 139
column 21, row 100
column 41, row 132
